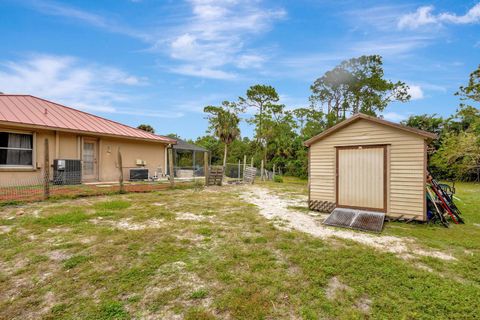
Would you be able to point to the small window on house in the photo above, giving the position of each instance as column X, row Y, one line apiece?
column 16, row 149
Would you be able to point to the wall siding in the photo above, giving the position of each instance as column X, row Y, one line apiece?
column 70, row 148
column 405, row 166
column 151, row 152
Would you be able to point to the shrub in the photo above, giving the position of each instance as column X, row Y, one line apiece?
column 278, row 179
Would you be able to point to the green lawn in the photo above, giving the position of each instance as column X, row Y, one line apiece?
column 207, row 254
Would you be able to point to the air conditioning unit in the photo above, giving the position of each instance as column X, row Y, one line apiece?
column 67, row 171
column 138, row 174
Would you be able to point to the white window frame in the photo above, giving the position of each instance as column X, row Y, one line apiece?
column 9, row 167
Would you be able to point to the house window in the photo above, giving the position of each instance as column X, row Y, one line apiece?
column 16, row 149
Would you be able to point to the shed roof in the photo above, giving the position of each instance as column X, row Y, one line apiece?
column 37, row 112
column 359, row 116
column 184, row 145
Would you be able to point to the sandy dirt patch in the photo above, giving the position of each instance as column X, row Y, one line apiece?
column 58, row 255
column 334, row 288
column 189, row 216
column 276, row 208
column 173, row 277
column 128, row 224
column 5, row 229
column 363, row 304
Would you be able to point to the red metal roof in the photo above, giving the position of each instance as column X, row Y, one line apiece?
column 30, row 110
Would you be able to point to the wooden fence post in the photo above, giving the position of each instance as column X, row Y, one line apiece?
column 273, row 174
column 46, row 171
column 170, row 167
column 239, row 169
column 120, row 169
column 261, row 170
column 206, row 166
column 244, row 164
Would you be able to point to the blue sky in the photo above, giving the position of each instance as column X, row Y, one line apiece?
column 161, row 62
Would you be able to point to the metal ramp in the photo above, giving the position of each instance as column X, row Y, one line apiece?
column 356, row 219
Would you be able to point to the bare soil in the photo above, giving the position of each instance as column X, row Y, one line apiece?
column 277, row 209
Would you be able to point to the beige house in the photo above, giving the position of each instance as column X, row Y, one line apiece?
column 371, row 164
column 27, row 121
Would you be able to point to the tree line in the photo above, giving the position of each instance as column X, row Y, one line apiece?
column 355, row 85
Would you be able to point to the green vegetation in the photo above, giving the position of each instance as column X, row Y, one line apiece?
column 112, row 205
column 112, row 310
column 355, row 85
column 199, row 294
column 278, row 179
column 146, row 127
column 72, row 217
column 74, row 261
column 208, row 254
column 224, row 122
column 455, row 155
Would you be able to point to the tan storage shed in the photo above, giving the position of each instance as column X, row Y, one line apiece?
column 369, row 164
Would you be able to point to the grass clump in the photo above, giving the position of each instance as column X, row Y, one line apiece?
column 74, row 216
column 112, row 310
column 199, row 294
column 199, row 314
column 207, row 232
column 113, row 205
column 10, row 203
column 74, row 261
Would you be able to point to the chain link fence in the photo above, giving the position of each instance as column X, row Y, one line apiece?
column 37, row 188
column 65, row 179
column 235, row 171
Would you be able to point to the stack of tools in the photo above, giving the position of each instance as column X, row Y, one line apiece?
column 440, row 205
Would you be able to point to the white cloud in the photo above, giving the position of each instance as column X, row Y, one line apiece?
column 395, row 117
column 247, row 61
column 472, row 16
column 418, row 18
column 390, row 46
column 216, row 36
column 293, row 102
column 203, row 72
column 416, row 92
column 68, row 80
column 424, row 16
column 381, row 17
column 62, row 10
column 434, row 87
column 213, row 37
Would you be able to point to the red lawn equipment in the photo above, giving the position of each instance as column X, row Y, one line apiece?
column 435, row 213
column 445, row 199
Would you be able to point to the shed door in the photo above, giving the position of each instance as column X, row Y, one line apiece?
column 361, row 177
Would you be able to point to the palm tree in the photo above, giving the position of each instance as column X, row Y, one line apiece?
column 224, row 122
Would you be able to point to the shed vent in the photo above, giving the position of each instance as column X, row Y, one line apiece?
column 356, row 219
